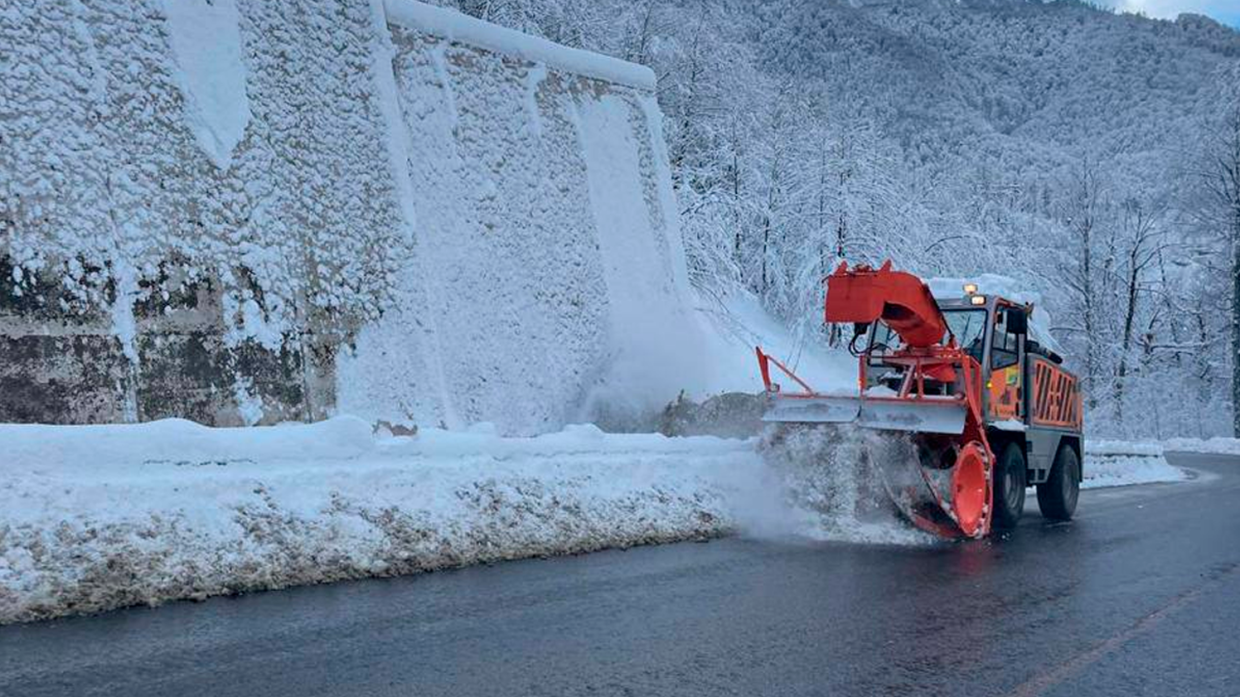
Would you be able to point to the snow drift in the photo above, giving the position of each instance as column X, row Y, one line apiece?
column 98, row 517
column 1121, row 463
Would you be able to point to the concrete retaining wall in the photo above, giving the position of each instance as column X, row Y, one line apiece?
column 257, row 212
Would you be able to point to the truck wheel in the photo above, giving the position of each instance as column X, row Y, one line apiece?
column 1009, row 489
column 1057, row 497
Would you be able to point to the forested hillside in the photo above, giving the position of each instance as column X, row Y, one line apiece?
column 1093, row 156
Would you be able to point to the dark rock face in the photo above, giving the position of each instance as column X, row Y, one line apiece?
column 728, row 415
column 63, row 364
column 61, row 379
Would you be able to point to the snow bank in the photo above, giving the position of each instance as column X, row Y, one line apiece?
column 1123, row 463
column 1221, row 446
column 99, row 517
column 1122, row 447
column 107, row 516
column 1127, row 469
column 1218, row 446
column 1119, row 463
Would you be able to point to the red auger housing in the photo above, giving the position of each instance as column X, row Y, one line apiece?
column 991, row 409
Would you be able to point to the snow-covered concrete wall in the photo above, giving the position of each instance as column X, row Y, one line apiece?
column 246, row 212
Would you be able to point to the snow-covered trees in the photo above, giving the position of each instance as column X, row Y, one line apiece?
column 1093, row 156
column 1216, row 176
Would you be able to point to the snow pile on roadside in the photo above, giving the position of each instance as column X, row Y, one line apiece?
column 831, row 485
column 99, row 517
column 1123, row 463
column 1122, row 447
column 1126, row 470
column 1214, row 446
column 1219, row 446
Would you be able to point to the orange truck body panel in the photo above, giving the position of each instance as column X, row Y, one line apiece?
column 1004, row 392
column 1056, row 398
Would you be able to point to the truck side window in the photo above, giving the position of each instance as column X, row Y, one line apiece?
column 1004, row 347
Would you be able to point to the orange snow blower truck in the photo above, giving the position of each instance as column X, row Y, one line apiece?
column 988, row 406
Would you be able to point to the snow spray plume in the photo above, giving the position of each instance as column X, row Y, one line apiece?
column 830, row 477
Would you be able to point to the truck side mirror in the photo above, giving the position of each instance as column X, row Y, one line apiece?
column 1016, row 319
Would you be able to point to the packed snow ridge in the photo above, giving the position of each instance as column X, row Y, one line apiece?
column 99, row 517
column 455, row 26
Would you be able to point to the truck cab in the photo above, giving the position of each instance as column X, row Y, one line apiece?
column 1032, row 406
column 1028, row 394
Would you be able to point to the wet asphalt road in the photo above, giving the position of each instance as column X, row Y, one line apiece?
column 1138, row 596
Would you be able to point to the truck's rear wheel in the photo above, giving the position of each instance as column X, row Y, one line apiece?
column 1057, row 497
column 1009, row 487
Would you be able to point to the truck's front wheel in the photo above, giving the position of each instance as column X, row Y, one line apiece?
column 1009, row 487
column 1057, row 497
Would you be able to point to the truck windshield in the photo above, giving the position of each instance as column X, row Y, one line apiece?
column 967, row 325
column 969, row 328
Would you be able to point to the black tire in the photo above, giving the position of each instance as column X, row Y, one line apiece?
column 1009, row 487
column 1057, row 497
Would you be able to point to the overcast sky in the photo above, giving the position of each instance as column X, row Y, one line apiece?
column 1226, row 11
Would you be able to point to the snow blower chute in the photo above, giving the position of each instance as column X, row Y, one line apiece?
column 951, row 375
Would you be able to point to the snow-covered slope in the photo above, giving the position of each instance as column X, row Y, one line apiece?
column 739, row 323
column 248, row 212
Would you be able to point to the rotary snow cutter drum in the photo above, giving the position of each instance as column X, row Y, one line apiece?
column 954, row 497
column 858, row 475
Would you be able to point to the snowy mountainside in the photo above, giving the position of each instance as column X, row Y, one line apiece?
column 332, row 204
column 1012, row 85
